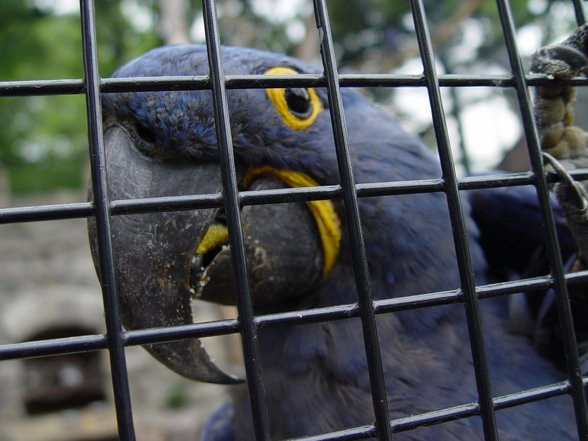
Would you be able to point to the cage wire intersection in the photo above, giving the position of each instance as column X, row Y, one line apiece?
column 115, row 340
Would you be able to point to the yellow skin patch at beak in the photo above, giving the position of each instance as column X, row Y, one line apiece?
column 215, row 236
column 278, row 98
column 323, row 211
column 324, row 214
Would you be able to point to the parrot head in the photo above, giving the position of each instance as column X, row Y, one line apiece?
column 162, row 144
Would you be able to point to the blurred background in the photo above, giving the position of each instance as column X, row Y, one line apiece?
column 47, row 282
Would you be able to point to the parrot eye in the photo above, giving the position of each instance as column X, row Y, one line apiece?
column 298, row 101
column 297, row 106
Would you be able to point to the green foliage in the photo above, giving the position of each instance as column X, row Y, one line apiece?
column 52, row 173
column 43, row 141
column 176, row 397
column 364, row 26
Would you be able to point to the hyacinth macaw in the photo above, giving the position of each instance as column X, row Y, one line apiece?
column 315, row 375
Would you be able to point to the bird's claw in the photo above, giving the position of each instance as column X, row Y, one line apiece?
column 564, row 145
column 560, row 61
column 553, row 103
column 573, row 198
column 575, row 194
column 564, row 60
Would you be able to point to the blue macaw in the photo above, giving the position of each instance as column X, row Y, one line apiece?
column 315, row 375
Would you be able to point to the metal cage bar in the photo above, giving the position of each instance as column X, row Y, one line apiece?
column 358, row 253
column 232, row 209
column 137, row 84
column 574, row 371
column 248, row 324
column 114, row 339
column 468, row 285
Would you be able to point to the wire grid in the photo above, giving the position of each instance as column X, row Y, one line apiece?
column 116, row 339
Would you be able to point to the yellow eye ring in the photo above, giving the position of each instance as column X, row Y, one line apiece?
column 280, row 98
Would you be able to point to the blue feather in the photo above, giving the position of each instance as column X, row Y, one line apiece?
column 315, row 375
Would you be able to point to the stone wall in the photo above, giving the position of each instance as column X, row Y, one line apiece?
column 47, row 282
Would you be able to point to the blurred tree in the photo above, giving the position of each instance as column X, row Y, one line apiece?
column 174, row 25
column 43, row 140
column 380, row 34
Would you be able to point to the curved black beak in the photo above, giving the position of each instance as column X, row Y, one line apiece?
column 162, row 260
column 153, row 251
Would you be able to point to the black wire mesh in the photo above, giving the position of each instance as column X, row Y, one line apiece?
column 248, row 323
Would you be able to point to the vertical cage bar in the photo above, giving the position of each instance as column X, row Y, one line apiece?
column 231, row 200
column 456, row 115
column 116, row 348
column 579, row 12
column 553, row 250
column 360, row 266
column 468, row 284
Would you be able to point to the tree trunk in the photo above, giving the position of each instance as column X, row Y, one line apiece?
column 173, row 21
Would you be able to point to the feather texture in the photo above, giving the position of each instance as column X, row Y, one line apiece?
column 315, row 375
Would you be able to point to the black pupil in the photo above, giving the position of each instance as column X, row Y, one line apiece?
column 298, row 101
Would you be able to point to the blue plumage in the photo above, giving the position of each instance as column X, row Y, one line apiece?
column 315, row 375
